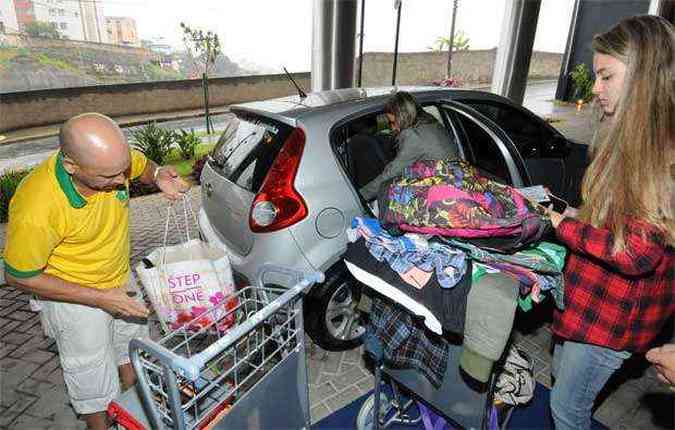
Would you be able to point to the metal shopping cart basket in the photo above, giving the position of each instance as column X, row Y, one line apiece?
column 251, row 375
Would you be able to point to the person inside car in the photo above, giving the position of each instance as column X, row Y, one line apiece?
column 418, row 136
column 619, row 275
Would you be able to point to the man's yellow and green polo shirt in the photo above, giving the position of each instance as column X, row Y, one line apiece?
column 55, row 230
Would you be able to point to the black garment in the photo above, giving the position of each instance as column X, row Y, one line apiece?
column 448, row 305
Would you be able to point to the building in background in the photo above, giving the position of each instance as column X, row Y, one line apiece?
column 8, row 21
column 64, row 15
column 158, row 45
column 93, row 21
column 122, row 31
column 25, row 14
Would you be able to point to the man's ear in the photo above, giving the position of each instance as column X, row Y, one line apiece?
column 69, row 165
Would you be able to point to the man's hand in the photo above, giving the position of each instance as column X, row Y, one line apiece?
column 171, row 184
column 117, row 303
column 663, row 359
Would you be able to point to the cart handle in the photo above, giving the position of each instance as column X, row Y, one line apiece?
column 190, row 368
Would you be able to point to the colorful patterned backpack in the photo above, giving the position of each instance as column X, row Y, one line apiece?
column 450, row 198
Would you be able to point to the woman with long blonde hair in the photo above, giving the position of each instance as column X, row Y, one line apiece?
column 620, row 275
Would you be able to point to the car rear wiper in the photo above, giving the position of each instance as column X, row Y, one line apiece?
column 241, row 141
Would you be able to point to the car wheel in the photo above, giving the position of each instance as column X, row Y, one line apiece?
column 331, row 315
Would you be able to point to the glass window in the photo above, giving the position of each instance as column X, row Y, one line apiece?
column 480, row 148
column 527, row 134
column 247, row 148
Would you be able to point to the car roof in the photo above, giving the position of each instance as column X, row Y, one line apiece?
column 343, row 102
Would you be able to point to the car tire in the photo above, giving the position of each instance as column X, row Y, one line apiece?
column 332, row 319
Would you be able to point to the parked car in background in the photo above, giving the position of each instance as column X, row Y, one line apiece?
column 281, row 186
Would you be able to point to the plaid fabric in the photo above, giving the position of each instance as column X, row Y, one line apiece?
column 619, row 301
column 393, row 334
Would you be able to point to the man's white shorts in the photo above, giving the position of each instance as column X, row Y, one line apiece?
column 92, row 344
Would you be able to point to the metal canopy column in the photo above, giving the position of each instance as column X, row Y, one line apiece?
column 333, row 44
column 515, row 48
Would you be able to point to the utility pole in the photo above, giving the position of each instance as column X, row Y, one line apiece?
column 399, row 5
column 452, row 37
column 363, row 13
column 205, row 85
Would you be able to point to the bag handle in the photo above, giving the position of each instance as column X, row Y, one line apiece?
column 170, row 210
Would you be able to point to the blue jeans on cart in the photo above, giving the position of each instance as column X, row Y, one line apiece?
column 580, row 371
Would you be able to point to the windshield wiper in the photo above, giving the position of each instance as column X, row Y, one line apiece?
column 241, row 141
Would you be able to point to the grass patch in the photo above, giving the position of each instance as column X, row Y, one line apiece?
column 215, row 134
column 183, row 166
column 45, row 60
column 7, row 54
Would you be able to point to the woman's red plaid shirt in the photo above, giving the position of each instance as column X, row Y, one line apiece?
column 620, row 301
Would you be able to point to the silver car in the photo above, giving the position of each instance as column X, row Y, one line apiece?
column 281, row 186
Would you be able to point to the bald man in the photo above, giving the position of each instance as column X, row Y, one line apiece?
column 68, row 244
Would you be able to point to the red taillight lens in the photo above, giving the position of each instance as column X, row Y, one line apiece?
column 278, row 205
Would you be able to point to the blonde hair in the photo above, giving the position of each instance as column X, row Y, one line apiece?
column 631, row 172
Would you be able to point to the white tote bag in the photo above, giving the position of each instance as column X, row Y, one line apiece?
column 189, row 282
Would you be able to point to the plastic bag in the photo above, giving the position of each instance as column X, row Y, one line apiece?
column 185, row 281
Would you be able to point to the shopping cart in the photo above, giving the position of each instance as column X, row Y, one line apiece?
column 251, row 375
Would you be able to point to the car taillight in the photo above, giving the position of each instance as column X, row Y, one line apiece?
column 278, row 205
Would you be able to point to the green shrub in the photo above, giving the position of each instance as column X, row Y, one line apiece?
column 583, row 82
column 187, row 143
column 153, row 141
column 9, row 181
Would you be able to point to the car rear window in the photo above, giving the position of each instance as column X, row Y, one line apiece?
column 247, row 148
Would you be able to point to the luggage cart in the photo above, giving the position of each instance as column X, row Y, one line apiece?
column 461, row 401
column 252, row 375
column 461, row 404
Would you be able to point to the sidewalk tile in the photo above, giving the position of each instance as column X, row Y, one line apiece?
column 17, row 338
column 21, row 315
column 51, row 402
column 34, row 387
column 342, row 399
column 318, row 412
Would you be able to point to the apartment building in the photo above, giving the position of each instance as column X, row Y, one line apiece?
column 76, row 20
column 8, row 21
column 122, row 31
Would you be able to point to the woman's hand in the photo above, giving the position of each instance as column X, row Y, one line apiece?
column 555, row 217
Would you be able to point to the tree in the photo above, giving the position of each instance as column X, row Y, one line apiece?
column 203, row 49
column 42, row 29
column 460, row 43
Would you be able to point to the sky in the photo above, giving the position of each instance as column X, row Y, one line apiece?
column 276, row 33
